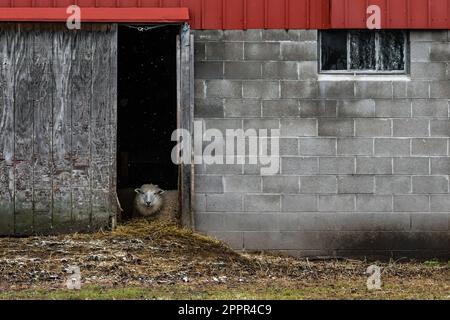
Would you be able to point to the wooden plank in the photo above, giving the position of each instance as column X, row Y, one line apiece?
column 113, row 122
column 23, row 131
column 102, row 125
column 61, row 138
column 81, row 98
column 185, row 93
column 42, row 88
column 7, row 44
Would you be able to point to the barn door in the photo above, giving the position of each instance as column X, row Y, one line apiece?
column 185, row 82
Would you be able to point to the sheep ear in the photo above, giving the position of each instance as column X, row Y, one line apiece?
column 161, row 191
column 138, row 191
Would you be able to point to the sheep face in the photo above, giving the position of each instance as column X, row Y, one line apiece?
column 148, row 199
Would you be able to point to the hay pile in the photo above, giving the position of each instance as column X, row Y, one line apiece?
column 143, row 253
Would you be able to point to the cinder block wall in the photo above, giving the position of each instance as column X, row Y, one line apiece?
column 364, row 164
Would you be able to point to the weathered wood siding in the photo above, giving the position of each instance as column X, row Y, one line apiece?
column 57, row 128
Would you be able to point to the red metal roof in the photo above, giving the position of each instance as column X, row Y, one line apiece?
column 270, row 14
column 89, row 14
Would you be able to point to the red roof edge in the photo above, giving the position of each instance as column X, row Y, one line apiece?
column 90, row 14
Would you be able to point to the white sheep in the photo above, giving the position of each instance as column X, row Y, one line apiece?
column 152, row 201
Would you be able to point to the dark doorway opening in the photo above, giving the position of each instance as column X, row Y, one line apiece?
column 147, row 106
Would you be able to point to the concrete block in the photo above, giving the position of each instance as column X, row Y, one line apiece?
column 243, row 35
column 430, row 184
column 428, row 71
column 392, row 108
column 392, row 185
column 237, row 108
column 337, row 203
column 356, row 109
column 429, row 147
column 223, row 169
column 299, row 89
column 298, row 128
column 336, row 89
column 246, row 70
column 258, row 124
column 440, row 51
column 413, row 89
column 280, row 70
column 430, row 221
column 373, row 127
column 420, row 51
column 199, row 89
column 303, row 35
column 299, row 51
column 262, row 51
column 373, row 203
column 440, row 166
column 222, row 124
column 411, row 166
column 224, row 51
column 227, row 202
column 336, row 128
column 208, row 35
column 336, row 165
column 440, row 203
column 209, row 108
column 281, row 184
column 308, row 70
column 223, row 89
column 200, row 51
column 373, row 90
column 411, row 203
column 262, row 203
column 317, row 147
column 373, row 166
column 299, row 203
column 427, row 35
column 281, row 108
column 299, row 166
column 208, row 70
column 392, row 147
column 440, row 128
column 199, row 202
column 208, row 184
column 430, row 108
column 356, row 185
column 440, row 89
column 289, row 147
column 355, row 146
column 276, row 35
column 318, row 184
column 242, row 184
column 261, row 89
column 411, row 128
column 318, row 108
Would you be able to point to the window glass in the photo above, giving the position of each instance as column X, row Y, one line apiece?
column 334, row 50
column 362, row 50
column 392, row 53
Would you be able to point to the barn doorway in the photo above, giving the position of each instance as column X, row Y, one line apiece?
column 147, row 106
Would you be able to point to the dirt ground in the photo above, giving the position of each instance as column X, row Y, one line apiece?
column 144, row 260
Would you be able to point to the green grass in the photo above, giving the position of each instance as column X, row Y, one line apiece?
column 338, row 290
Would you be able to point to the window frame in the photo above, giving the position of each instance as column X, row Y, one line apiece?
column 406, row 57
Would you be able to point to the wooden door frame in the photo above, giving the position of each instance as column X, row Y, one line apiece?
column 185, row 120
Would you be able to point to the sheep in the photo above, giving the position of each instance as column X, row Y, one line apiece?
column 152, row 201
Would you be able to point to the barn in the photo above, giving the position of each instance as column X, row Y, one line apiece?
column 360, row 117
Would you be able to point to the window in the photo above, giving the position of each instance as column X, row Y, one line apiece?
column 363, row 51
